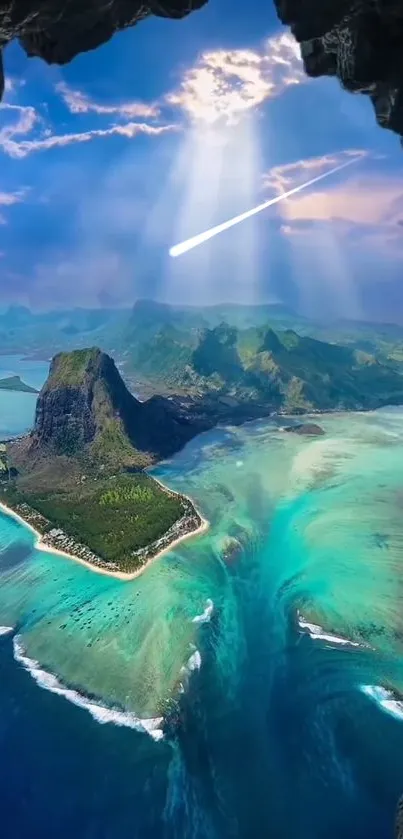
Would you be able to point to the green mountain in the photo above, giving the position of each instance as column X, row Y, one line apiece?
column 78, row 477
column 280, row 369
column 156, row 337
column 85, row 411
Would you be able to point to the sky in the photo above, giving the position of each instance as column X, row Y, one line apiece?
column 173, row 127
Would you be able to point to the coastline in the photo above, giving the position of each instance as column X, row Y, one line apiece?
column 99, row 569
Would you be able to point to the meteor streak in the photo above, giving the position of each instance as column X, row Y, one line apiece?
column 188, row 244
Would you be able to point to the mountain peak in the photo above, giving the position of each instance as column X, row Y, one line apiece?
column 86, row 413
column 71, row 368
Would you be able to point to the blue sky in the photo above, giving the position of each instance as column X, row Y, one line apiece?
column 173, row 127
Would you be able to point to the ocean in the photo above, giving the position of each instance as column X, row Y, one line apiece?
column 17, row 410
column 248, row 683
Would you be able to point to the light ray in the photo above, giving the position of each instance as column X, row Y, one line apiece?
column 188, row 244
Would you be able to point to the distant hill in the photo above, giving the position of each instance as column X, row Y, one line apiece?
column 153, row 342
column 278, row 368
column 44, row 333
column 16, row 384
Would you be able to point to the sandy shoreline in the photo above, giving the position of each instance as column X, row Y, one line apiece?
column 120, row 575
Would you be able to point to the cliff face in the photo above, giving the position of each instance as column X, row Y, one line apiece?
column 85, row 408
column 360, row 42
column 58, row 30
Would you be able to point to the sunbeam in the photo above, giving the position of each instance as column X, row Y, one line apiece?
column 200, row 238
column 223, row 174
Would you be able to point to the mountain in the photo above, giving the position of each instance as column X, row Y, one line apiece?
column 156, row 336
column 79, row 476
column 85, row 411
column 44, row 333
column 279, row 369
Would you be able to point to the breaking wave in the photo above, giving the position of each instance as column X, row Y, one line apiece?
column 193, row 663
column 101, row 713
column 206, row 614
column 5, row 630
column 316, row 631
column 384, row 699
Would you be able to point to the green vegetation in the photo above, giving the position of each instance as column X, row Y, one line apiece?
column 70, row 368
column 278, row 368
column 79, row 471
column 16, row 384
column 112, row 448
column 113, row 517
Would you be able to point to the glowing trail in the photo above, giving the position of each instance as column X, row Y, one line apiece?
column 188, row 244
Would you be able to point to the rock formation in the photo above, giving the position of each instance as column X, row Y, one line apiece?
column 360, row 42
column 85, row 410
column 58, row 30
column 305, row 429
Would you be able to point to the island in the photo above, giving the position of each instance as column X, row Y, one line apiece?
column 79, row 478
column 15, row 383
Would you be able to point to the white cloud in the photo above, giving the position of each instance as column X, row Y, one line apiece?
column 363, row 210
column 226, row 83
column 79, row 103
column 28, row 131
column 286, row 176
column 7, row 199
column 129, row 130
column 26, row 118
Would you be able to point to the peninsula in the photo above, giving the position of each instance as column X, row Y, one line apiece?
column 79, row 478
column 16, row 384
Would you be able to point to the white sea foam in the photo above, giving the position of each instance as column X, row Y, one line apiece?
column 101, row 713
column 206, row 615
column 194, row 662
column 318, row 632
column 385, row 699
column 5, row 630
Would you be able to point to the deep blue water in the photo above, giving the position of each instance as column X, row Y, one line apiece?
column 275, row 761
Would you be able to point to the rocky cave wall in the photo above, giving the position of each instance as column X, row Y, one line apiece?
column 58, row 30
column 358, row 41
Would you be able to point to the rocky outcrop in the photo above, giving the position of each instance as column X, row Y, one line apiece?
column 305, row 429
column 58, row 30
column 360, row 42
column 86, row 408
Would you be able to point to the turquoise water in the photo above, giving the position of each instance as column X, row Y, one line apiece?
column 17, row 410
column 258, row 726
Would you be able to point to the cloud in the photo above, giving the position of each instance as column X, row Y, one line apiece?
column 79, row 103
column 224, row 83
column 360, row 200
column 28, row 131
column 7, row 199
column 227, row 83
column 285, row 177
column 26, row 119
column 129, row 130
column 363, row 209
